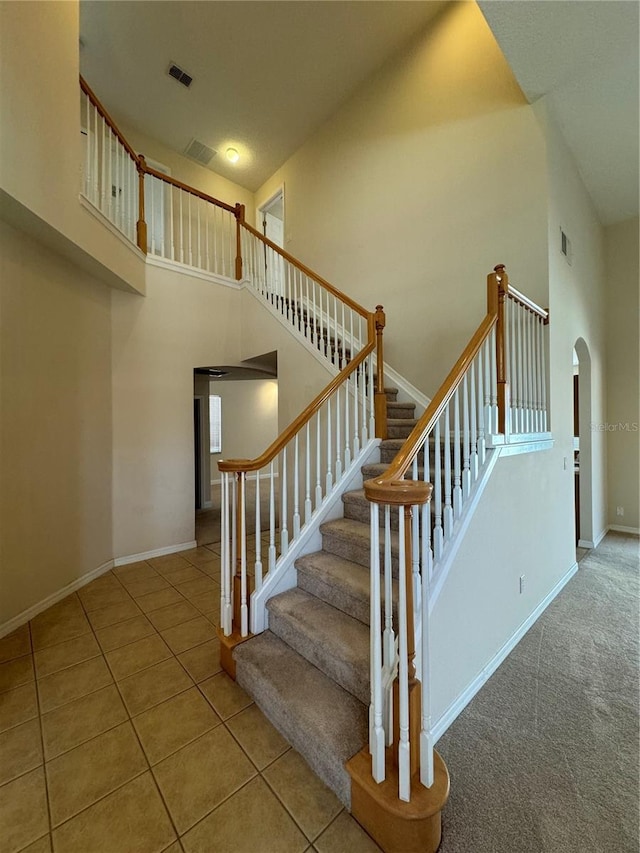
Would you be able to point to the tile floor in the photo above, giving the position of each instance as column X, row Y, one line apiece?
column 119, row 732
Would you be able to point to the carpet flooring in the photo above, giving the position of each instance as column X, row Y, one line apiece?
column 545, row 758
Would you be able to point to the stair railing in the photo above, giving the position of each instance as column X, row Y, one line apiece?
column 267, row 501
column 442, row 460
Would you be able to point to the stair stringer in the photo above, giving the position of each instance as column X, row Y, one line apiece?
column 284, row 575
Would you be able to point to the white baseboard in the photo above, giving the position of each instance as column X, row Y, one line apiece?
column 585, row 543
column 54, row 598
column 618, row 528
column 158, row 552
column 457, row 707
column 588, row 543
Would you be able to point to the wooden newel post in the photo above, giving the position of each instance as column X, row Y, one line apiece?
column 239, row 214
column 380, row 396
column 141, row 225
column 498, row 288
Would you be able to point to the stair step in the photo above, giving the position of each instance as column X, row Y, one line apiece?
column 333, row 641
column 341, row 583
column 349, row 539
column 375, row 470
column 326, row 724
column 400, row 427
column 400, row 410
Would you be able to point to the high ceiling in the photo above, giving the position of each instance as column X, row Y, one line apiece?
column 267, row 74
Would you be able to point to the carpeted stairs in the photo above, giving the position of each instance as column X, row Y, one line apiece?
column 309, row 672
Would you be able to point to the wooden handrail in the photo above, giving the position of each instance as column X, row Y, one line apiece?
column 419, row 433
column 342, row 296
column 246, row 465
column 105, row 115
column 191, row 190
column 527, row 303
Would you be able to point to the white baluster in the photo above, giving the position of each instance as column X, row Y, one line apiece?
column 488, row 423
column 494, row 384
column 543, row 371
column 520, row 400
column 480, row 403
column 284, row 530
column 426, row 737
column 329, row 478
column 207, row 262
column 190, row 229
column 307, row 474
column 457, row 470
column 96, row 162
column 296, row 490
column 338, row 437
column 214, row 238
column 466, row 436
column 272, row 520
column 356, row 427
column 438, row 533
column 372, row 419
column 389, row 640
column 404, row 763
column 347, row 437
column 258, row 564
column 376, row 730
column 152, row 218
column 198, row 205
column 181, row 214
column 446, row 441
column 242, row 532
column 473, row 459
column 318, row 463
column 171, row 234
column 427, row 550
column 366, row 379
column 226, row 616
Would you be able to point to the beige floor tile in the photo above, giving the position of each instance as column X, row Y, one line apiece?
column 132, row 819
column 98, row 599
column 207, row 602
column 137, row 656
column 211, row 569
column 194, row 780
column 188, row 634
column 197, row 555
column 123, row 633
column 270, row 829
column 262, row 743
column 214, row 547
column 311, row 803
column 167, row 561
column 143, row 587
column 175, row 848
column 114, row 614
column 134, row 572
column 152, row 686
column 15, row 672
column 80, row 720
column 202, row 661
column 68, row 684
column 57, row 631
column 16, row 644
column 17, row 706
column 175, row 723
column 225, row 695
column 172, row 615
column 213, row 616
column 23, row 811
column 78, row 778
column 42, row 845
column 345, row 834
column 158, row 599
column 183, row 574
column 20, row 750
column 63, row 655
column 194, row 589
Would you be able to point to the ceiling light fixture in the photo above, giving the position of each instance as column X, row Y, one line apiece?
column 232, row 155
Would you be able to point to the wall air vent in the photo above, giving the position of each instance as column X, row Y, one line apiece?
column 178, row 74
column 565, row 247
column 199, row 152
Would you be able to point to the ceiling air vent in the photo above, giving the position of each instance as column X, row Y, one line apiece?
column 199, row 152
column 181, row 76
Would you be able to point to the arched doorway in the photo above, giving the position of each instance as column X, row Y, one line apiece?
column 582, row 444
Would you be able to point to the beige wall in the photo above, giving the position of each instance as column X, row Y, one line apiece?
column 429, row 176
column 182, row 323
column 249, row 418
column 40, row 157
column 55, row 440
column 623, row 375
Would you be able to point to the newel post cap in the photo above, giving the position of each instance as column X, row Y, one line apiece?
column 397, row 492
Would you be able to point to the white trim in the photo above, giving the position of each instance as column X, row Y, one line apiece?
column 54, row 598
column 99, row 215
column 533, row 446
column 248, row 477
column 157, row 552
column 456, row 707
column 406, row 391
column 618, row 528
column 588, row 543
column 285, row 576
column 267, row 201
column 194, row 272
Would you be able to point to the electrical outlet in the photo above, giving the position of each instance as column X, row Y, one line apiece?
column 619, row 510
column 521, row 584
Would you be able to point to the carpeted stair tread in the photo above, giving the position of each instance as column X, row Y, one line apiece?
column 397, row 409
column 372, row 471
column 350, row 539
column 325, row 723
column 332, row 640
column 339, row 582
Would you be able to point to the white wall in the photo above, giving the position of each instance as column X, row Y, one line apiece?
column 55, row 439
column 182, row 323
column 424, row 180
column 623, row 375
column 249, row 418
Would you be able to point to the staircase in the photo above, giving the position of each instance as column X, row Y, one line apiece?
column 309, row 672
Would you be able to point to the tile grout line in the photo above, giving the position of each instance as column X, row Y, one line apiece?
column 44, row 763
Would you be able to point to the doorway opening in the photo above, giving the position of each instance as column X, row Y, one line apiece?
column 583, row 491
column 270, row 217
